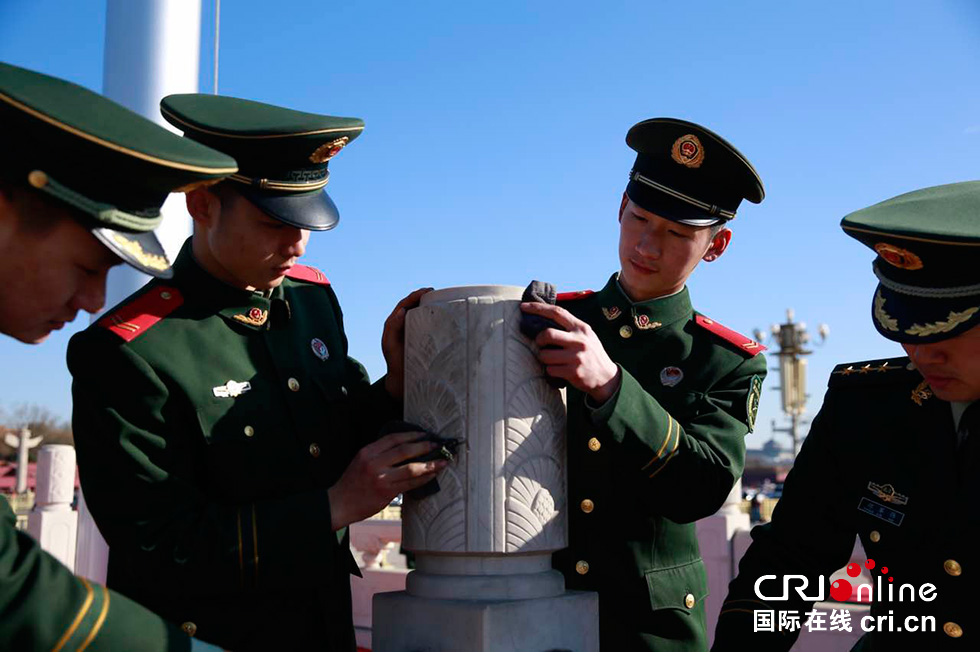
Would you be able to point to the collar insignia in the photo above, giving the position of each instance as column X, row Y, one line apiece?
column 921, row 393
column 319, row 348
column 612, row 313
column 887, row 493
column 231, row 389
column 254, row 317
column 643, row 323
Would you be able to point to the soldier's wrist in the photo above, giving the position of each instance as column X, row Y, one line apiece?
column 607, row 390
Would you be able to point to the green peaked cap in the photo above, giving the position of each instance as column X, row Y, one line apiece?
column 109, row 163
column 282, row 154
column 689, row 174
column 928, row 245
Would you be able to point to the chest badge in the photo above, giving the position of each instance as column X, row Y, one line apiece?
column 231, row 389
column 670, row 376
column 319, row 348
column 887, row 493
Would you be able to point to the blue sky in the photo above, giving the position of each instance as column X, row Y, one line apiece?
column 494, row 150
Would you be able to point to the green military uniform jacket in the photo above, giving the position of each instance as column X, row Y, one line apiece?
column 664, row 451
column 212, row 494
column 882, row 462
column 44, row 607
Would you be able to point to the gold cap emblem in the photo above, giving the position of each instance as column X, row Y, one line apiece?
column 687, row 151
column 324, row 153
column 901, row 258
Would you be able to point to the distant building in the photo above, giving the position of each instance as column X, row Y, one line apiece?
column 770, row 463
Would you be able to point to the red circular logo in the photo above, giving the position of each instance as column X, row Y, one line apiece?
column 840, row 590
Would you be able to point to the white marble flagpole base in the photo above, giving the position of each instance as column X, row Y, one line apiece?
column 564, row 623
column 484, row 581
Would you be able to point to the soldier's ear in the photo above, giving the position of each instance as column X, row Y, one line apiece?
column 719, row 243
column 622, row 205
column 204, row 206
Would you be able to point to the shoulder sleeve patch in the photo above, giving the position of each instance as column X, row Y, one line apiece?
column 742, row 343
column 572, row 296
column 142, row 313
column 872, row 372
column 308, row 274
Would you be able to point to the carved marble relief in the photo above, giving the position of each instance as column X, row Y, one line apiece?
column 471, row 375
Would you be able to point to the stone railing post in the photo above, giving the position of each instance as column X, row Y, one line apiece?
column 484, row 541
column 374, row 539
column 53, row 522
column 716, row 536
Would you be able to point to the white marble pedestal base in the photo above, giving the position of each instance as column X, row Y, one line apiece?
column 564, row 623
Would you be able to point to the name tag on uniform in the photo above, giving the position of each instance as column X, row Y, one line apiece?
column 883, row 512
column 231, row 389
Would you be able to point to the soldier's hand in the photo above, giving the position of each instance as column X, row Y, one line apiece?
column 393, row 343
column 575, row 354
column 373, row 478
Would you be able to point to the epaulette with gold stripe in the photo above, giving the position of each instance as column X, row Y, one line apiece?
column 142, row 313
column 573, row 296
column 744, row 344
column 308, row 274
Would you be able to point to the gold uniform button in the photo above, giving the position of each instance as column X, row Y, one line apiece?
column 587, row 506
column 249, row 431
column 953, row 630
column 315, row 449
column 293, row 384
column 37, row 179
column 594, row 444
column 626, row 332
column 582, row 567
column 953, row 567
column 689, row 601
column 165, row 295
column 874, row 536
column 189, row 628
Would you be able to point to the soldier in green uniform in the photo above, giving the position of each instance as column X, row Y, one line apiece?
column 81, row 184
column 222, row 428
column 660, row 398
column 893, row 453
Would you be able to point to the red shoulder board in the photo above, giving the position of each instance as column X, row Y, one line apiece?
column 572, row 296
column 139, row 315
column 307, row 273
column 745, row 344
